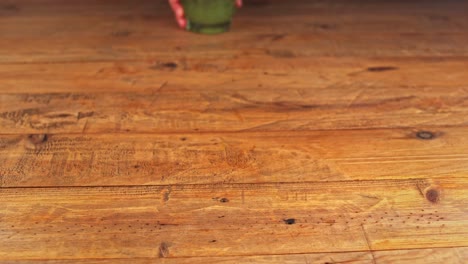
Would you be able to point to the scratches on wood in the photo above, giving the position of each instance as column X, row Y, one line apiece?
column 286, row 140
column 313, row 156
column 333, row 216
column 369, row 245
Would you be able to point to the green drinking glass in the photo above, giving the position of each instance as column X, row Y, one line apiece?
column 209, row 16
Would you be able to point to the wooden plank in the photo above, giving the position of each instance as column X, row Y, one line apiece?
column 142, row 159
column 183, row 96
column 138, row 18
column 196, row 192
column 269, row 73
column 232, row 219
column 126, row 31
column 430, row 256
column 359, row 258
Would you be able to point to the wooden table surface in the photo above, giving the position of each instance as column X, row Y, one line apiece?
column 314, row 132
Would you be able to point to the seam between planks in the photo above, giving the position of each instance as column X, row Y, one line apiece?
column 244, row 131
column 254, row 255
column 232, row 184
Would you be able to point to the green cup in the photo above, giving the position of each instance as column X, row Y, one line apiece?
column 209, row 16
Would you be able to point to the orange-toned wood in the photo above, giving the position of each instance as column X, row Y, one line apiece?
column 178, row 96
column 314, row 132
column 232, row 219
column 300, row 156
column 431, row 256
column 130, row 30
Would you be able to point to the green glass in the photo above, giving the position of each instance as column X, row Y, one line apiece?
column 209, row 16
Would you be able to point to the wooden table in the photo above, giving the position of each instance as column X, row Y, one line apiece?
column 314, row 132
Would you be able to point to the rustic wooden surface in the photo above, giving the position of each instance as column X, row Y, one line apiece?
column 314, row 132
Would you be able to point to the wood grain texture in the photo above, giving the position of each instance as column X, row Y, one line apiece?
column 178, row 96
column 431, row 256
column 436, row 255
column 126, row 69
column 313, row 156
column 140, row 30
column 171, row 221
column 314, row 132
